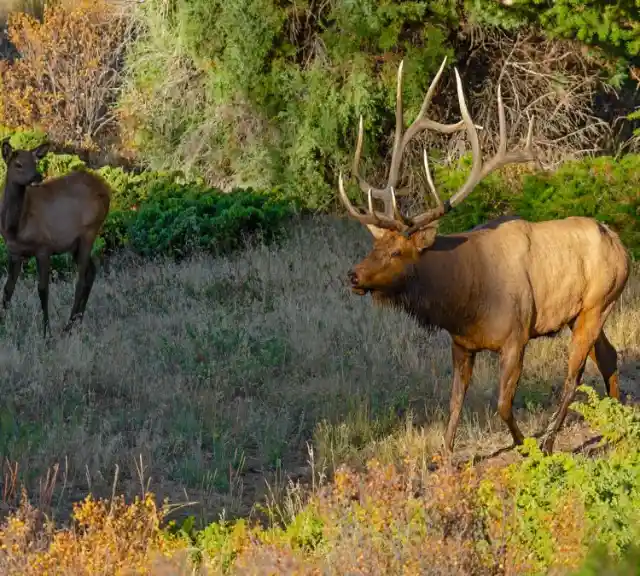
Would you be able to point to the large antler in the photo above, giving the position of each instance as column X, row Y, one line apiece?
column 391, row 218
column 387, row 194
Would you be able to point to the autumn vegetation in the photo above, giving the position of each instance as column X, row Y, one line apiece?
column 228, row 406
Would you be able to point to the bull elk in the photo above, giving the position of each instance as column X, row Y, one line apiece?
column 45, row 218
column 495, row 287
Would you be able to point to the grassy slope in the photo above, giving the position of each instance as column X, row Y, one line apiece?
column 208, row 377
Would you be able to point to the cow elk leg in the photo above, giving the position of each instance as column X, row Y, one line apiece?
column 605, row 358
column 463, row 361
column 511, row 358
column 43, row 265
column 13, row 272
column 90, row 276
column 586, row 330
column 86, row 275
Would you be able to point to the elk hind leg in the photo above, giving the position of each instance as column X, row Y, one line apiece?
column 586, row 330
column 604, row 355
column 43, row 266
column 86, row 275
column 511, row 359
column 463, row 361
column 90, row 276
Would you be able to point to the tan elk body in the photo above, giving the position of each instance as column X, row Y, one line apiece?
column 41, row 219
column 497, row 286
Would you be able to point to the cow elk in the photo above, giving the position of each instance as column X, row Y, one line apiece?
column 44, row 218
column 495, row 287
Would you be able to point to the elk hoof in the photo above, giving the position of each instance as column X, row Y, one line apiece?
column 70, row 326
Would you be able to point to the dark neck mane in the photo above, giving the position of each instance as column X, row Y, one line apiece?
column 434, row 291
column 12, row 207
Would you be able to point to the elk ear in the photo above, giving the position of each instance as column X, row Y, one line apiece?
column 6, row 149
column 376, row 232
column 41, row 151
column 424, row 239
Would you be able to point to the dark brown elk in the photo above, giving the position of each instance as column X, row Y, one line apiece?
column 44, row 218
column 495, row 287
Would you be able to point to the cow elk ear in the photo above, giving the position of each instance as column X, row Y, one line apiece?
column 376, row 232
column 424, row 239
column 41, row 151
column 6, row 149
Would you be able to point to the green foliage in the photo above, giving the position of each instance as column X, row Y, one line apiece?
column 25, row 139
column 612, row 26
column 603, row 188
column 567, row 501
column 277, row 90
column 177, row 221
column 269, row 94
column 601, row 563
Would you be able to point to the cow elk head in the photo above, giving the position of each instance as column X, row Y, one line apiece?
column 23, row 164
column 398, row 240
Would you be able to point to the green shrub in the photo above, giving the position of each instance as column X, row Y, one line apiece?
column 268, row 94
column 176, row 221
column 603, row 188
column 257, row 97
column 566, row 503
column 601, row 563
column 611, row 26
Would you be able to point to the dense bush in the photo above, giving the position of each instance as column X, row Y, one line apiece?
column 610, row 25
column 563, row 504
column 269, row 94
column 66, row 77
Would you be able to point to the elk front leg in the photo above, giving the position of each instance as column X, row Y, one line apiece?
column 605, row 358
column 14, row 266
column 511, row 358
column 463, row 361
column 42, row 265
column 586, row 330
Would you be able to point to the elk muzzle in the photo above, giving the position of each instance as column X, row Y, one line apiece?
column 37, row 179
column 355, row 282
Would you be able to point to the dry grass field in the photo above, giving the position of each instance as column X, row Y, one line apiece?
column 213, row 380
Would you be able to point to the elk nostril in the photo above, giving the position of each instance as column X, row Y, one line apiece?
column 353, row 276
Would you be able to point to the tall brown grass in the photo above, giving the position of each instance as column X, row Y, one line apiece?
column 210, row 376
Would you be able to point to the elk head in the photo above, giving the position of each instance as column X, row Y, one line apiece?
column 399, row 241
column 22, row 165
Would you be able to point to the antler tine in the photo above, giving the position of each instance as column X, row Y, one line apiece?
column 502, row 157
column 355, row 166
column 379, row 193
column 419, row 124
column 476, row 168
column 396, row 155
column 432, row 186
column 386, row 194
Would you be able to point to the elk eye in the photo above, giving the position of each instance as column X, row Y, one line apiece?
column 395, row 253
column 18, row 164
